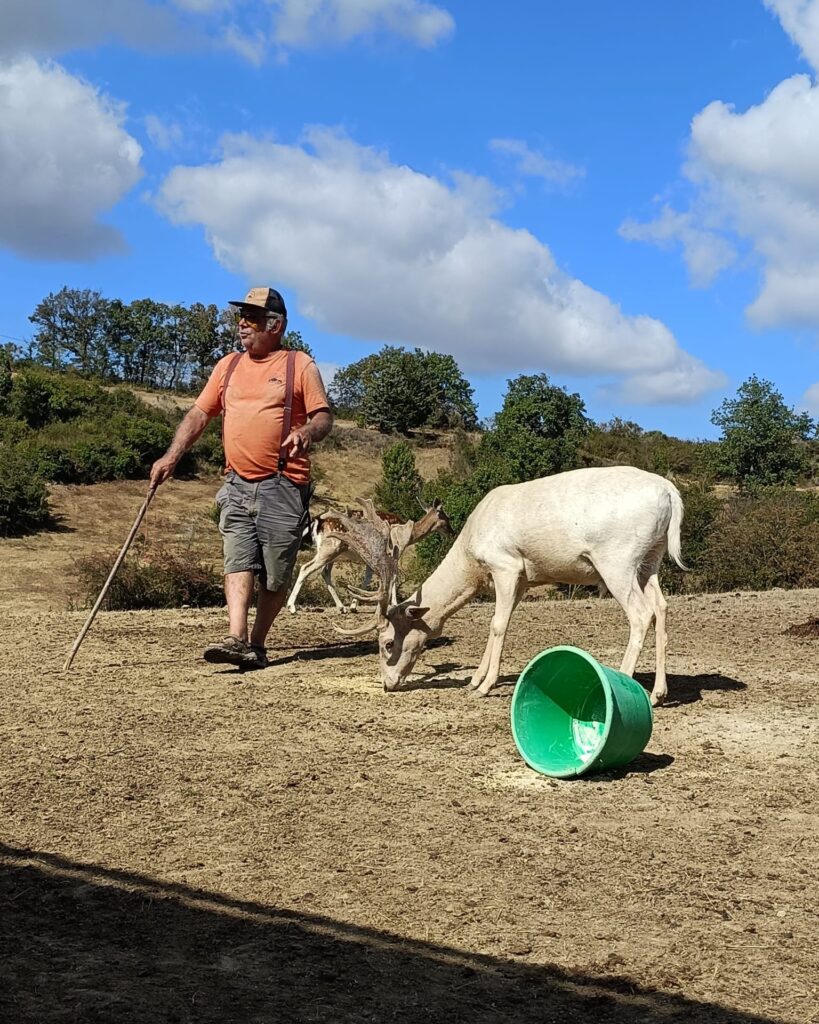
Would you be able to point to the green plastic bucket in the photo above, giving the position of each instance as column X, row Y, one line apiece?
column 571, row 715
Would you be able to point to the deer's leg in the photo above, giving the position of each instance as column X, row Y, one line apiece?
column 625, row 588
column 660, row 605
column 306, row 570
column 327, row 576
column 327, row 551
column 509, row 588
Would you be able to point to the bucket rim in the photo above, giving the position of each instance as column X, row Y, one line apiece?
column 570, row 773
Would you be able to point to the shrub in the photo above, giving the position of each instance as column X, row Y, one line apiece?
column 39, row 397
column 23, row 496
column 702, row 506
column 624, row 443
column 399, row 488
column 208, row 451
column 160, row 578
column 12, row 431
column 763, row 540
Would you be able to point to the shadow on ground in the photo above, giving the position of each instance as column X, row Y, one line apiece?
column 84, row 943
column 689, row 689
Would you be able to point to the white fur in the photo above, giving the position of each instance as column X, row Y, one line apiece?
column 588, row 526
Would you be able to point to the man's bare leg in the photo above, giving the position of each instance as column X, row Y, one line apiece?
column 239, row 594
column 268, row 606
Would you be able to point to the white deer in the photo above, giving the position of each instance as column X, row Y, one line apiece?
column 330, row 546
column 607, row 526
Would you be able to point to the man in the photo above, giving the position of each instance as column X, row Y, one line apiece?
column 263, row 503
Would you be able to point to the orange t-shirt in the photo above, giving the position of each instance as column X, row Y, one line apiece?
column 254, row 411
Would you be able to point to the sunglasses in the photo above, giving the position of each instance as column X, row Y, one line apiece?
column 256, row 315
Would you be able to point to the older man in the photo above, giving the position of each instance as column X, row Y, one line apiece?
column 274, row 406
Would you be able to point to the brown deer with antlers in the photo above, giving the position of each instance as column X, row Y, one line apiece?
column 331, row 544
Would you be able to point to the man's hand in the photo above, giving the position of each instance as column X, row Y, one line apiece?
column 298, row 442
column 162, row 470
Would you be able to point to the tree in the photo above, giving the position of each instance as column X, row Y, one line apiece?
column 399, row 489
column 349, row 384
column 73, row 331
column 399, row 390
column 151, row 342
column 452, row 402
column 397, row 395
column 208, row 339
column 5, row 378
column 294, row 341
column 762, row 438
column 538, row 431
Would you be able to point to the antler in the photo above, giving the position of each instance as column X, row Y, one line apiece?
column 371, row 540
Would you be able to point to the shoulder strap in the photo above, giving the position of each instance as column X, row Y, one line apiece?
column 288, row 405
column 223, row 393
column 228, row 375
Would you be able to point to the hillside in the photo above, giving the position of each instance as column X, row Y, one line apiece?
column 39, row 571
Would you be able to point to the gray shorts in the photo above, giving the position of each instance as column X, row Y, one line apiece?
column 261, row 523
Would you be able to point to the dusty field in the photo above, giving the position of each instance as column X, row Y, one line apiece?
column 182, row 843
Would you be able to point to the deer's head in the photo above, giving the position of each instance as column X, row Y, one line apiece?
column 403, row 632
column 434, row 520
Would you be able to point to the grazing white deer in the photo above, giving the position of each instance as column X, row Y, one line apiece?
column 330, row 546
column 607, row 526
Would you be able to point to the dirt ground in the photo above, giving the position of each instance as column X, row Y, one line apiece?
column 183, row 843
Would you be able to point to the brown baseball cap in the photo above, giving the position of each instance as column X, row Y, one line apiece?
column 262, row 298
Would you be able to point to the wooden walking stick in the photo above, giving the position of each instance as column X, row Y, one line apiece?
column 111, row 575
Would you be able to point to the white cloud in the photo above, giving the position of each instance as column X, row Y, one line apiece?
column 687, row 380
column 800, row 19
column 64, row 159
column 306, row 23
column 810, row 400
column 163, row 134
column 535, row 165
column 252, row 28
column 706, row 253
column 380, row 251
column 755, row 175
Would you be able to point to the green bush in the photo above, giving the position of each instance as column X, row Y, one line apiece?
column 398, row 491
column 38, row 397
column 23, row 496
column 624, row 443
column 160, row 578
column 208, row 452
column 89, row 450
column 12, row 431
column 761, row 540
column 702, row 506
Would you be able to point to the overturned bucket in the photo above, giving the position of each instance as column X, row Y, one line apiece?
column 571, row 715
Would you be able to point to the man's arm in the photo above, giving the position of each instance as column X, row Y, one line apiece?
column 187, row 433
column 299, row 440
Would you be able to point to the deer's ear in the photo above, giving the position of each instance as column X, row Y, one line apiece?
column 437, row 503
column 414, row 612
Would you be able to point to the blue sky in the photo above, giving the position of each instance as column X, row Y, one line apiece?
column 624, row 196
